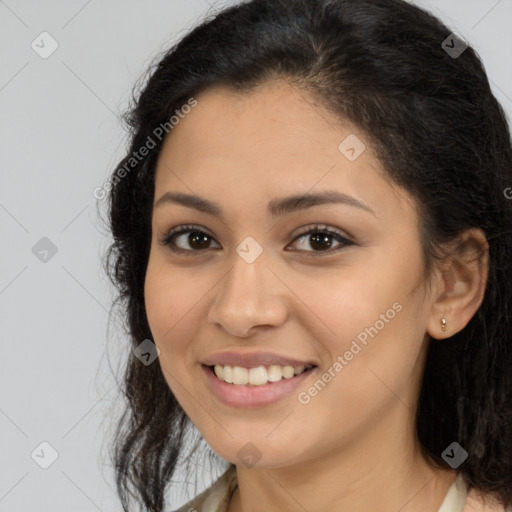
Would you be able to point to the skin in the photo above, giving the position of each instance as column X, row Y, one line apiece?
column 357, row 434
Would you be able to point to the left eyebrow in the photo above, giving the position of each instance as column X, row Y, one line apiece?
column 277, row 207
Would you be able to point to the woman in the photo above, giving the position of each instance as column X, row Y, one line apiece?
column 313, row 229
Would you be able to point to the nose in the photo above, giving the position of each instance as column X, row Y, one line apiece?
column 248, row 298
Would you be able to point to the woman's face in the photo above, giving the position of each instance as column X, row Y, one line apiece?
column 357, row 310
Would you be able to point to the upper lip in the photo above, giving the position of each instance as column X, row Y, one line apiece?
column 253, row 359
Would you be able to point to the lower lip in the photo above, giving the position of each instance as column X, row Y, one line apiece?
column 253, row 396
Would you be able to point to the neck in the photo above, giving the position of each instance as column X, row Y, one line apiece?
column 378, row 471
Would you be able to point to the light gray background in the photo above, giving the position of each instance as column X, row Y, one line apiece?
column 60, row 136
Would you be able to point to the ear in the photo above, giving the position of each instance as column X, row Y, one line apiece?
column 460, row 282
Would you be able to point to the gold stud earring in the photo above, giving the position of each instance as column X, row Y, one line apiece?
column 443, row 324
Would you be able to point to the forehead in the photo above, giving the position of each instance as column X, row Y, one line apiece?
column 274, row 120
column 273, row 140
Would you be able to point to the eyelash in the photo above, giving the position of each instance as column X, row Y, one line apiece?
column 173, row 234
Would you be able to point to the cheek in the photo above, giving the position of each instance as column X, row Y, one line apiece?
column 348, row 301
column 375, row 321
column 175, row 312
column 169, row 305
column 167, row 302
column 168, row 295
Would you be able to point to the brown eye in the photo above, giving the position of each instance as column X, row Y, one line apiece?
column 320, row 239
column 196, row 239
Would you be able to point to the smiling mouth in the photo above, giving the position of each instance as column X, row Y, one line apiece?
column 258, row 376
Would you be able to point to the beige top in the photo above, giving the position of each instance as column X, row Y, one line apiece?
column 217, row 497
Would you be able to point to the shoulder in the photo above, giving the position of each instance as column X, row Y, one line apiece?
column 216, row 497
column 480, row 502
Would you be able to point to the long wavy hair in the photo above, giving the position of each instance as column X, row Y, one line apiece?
column 439, row 133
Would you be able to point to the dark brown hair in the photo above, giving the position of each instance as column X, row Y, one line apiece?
column 439, row 132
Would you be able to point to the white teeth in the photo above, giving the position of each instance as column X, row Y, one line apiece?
column 257, row 376
column 274, row 373
column 227, row 374
column 219, row 371
column 288, row 372
column 240, row 376
column 299, row 369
